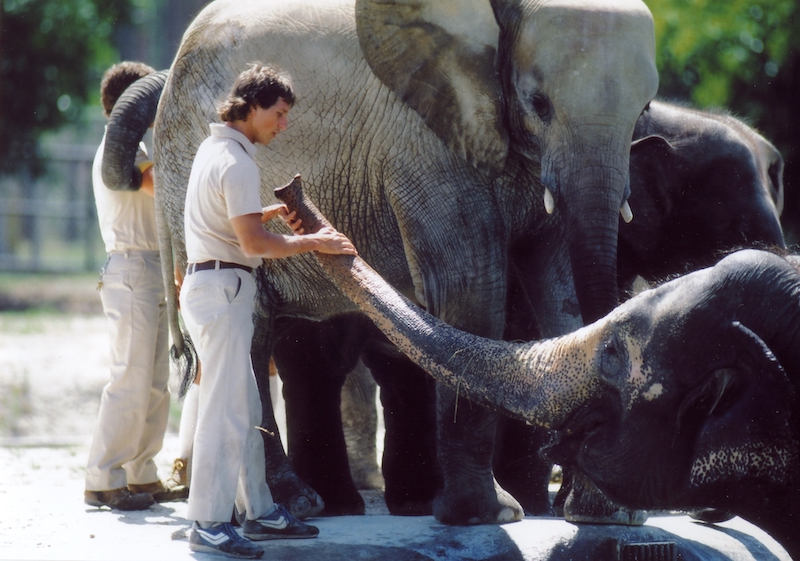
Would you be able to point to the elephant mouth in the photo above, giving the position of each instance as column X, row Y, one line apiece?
column 571, row 439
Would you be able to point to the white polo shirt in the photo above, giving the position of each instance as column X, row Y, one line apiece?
column 127, row 218
column 225, row 182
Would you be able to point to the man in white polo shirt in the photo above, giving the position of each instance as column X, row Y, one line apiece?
column 225, row 240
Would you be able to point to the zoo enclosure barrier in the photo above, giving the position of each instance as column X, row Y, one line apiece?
column 49, row 224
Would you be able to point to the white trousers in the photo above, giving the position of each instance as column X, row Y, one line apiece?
column 228, row 459
column 135, row 403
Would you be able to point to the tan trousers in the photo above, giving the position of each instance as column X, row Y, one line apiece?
column 135, row 403
column 228, row 459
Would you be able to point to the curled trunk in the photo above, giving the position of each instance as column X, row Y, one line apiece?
column 527, row 381
column 133, row 113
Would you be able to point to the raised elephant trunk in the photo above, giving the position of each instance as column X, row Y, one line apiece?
column 133, row 113
column 537, row 384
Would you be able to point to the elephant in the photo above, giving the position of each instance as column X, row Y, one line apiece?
column 684, row 396
column 430, row 133
column 702, row 184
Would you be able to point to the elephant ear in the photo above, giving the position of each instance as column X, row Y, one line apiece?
column 773, row 161
column 652, row 159
column 651, row 198
column 747, row 408
column 439, row 58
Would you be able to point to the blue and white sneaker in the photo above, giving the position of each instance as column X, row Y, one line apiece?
column 277, row 525
column 224, row 540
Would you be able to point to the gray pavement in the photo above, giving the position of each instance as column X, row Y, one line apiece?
column 43, row 517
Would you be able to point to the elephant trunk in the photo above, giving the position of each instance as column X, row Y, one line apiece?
column 133, row 113
column 597, row 191
column 525, row 381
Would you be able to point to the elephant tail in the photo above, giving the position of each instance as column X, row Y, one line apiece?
column 183, row 352
column 186, row 361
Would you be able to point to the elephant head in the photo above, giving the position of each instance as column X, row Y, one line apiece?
column 702, row 183
column 685, row 396
column 555, row 86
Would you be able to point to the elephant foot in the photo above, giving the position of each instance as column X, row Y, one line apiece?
column 586, row 504
column 290, row 491
column 343, row 504
column 464, row 507
column 410, row 508
column 711, row 515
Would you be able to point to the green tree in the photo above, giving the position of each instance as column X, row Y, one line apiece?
column 52, row 54
column 742, row 55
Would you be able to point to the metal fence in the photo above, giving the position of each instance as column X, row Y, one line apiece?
column 49, row 224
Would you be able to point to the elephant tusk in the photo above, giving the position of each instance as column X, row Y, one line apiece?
column 626, row 212
column 549, row 201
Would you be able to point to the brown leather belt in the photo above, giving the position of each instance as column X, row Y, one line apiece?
column 207, row 265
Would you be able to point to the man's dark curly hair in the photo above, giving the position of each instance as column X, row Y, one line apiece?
column 259, row 86
column 117, row 78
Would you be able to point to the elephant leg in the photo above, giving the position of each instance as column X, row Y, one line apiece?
column 313, row 360
column 284, row 484
column 410, row 468
column 466, row 442
column 360, row 424
column 585, row 503
column 518, row 466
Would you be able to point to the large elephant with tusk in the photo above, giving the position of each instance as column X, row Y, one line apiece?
column 685, row 396
column 434, row 134
column 702, row 183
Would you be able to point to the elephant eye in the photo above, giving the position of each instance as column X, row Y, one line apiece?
column 612, row 359
column 541, row 105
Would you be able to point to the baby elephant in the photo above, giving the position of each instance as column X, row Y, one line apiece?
column 702, row 183
column 683, row 397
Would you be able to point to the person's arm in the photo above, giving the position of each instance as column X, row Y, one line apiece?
column 256, row 241
column 147, row 182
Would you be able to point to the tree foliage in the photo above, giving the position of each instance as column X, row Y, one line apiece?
column 52, row 53
column 707, row 50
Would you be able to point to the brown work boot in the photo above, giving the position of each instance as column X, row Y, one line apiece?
column 179, row 475
column 120, row 499
column 160, row 492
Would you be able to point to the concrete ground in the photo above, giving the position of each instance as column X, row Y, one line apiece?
column 52, row 369
column 43, row 517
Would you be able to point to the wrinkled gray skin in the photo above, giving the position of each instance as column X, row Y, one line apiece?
column 427, row 133
column 683, row 397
